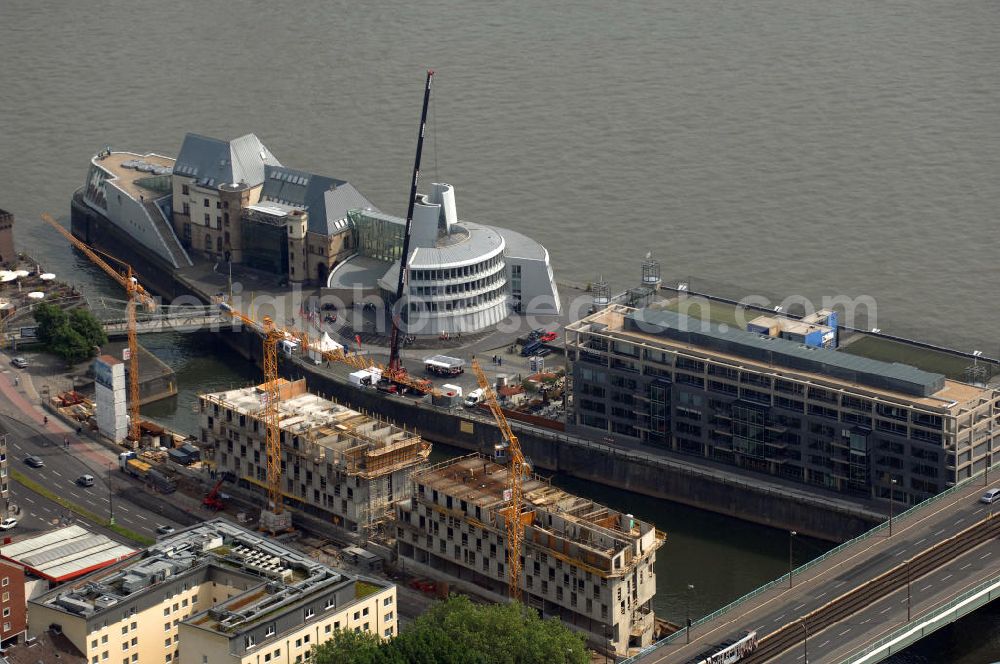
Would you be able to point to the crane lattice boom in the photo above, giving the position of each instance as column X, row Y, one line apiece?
column 135, row 295
column 515, row 475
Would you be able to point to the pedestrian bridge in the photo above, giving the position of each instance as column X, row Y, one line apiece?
column 113, row 315
column 865, row 600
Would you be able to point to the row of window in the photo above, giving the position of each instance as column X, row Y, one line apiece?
column 456, row 272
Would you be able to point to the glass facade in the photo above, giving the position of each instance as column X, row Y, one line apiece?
column 379, row 236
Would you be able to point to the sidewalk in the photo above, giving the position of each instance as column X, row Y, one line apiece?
column 21, row 393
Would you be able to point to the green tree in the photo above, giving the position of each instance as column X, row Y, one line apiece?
column 456, row 631
column 87, row 325
column 73, row 336
column 349, row 647
column 49, row 318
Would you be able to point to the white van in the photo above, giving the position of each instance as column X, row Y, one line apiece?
column 990, row 496
column 474, row 398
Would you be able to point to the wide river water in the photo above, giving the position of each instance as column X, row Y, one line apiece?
column 778, row 146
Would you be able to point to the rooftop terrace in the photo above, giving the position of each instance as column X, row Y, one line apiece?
column 952, row 366
column 135, row 182
column 277, row 578
column 825, row 366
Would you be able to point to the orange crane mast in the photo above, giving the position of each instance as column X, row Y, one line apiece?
column 515, row 475
column 135, row 294
column 269, row 412
column 272, row 334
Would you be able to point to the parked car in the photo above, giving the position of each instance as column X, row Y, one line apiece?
column 8, row 523
column 548, row 336
column 990, row 496
column 85, row 480
column 165, row 530
column 34, row 462
column 19, row 362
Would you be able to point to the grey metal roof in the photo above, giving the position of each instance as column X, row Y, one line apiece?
column 214, row 162
column 521, row 246
column 891, row 376
column 326, row 199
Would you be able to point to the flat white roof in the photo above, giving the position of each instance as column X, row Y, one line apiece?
column 66, row 553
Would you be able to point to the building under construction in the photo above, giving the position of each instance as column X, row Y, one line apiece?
column 337, row 464
column 584, row 563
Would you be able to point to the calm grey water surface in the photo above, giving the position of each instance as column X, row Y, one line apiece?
column 782, row 145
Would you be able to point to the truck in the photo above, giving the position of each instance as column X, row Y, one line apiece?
column 474, row 398
column 137, row 468
column 129, row 463
column 442, row 365
column 360, row 378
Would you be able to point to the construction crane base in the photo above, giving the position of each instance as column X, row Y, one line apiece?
column 272, row 522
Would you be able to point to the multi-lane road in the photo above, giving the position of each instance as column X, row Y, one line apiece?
column 853, row 567
column 28, row 435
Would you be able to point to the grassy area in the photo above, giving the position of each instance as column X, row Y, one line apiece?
column 717, row 312
column 362, row 589
column 28, row 483
column 888, row 350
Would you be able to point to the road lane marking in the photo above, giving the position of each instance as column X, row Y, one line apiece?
column 821, row 596
column 899, row 553
column 837, row 585
column 779, row 617
column 927, row 587
column 965, row 566
column 142, row 517
column 885, row 610
column 919, row 542
column 123, row 508
column 845, row 631
column 799, row 607
column 823, row 645
column 979, row 510
column 29, row 500
column 947, row 577
column 986, row 555
column 866, row 621
column 57, row 473
column 939, row 532
column 960, row 521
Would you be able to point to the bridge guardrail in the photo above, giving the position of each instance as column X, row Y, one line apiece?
column 783, row 579
column 944, row 609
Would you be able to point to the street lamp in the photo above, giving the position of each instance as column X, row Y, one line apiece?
column 805, row 641
column 892, row 501
column 111, row 504
column 687, row 628
column 907, row 590
column 791, row 536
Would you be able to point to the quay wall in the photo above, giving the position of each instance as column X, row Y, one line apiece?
column 548, row 451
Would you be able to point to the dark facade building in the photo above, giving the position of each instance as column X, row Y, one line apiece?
column 774, row 406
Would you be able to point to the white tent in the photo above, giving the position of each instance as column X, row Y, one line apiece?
column 322, row 345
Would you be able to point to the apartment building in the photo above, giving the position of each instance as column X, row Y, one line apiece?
column 337, row 464
column 588, row 565
column 12, row 602
column 774, row 406
column 211, row 594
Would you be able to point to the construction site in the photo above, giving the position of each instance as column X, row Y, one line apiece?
column 584, row 563
column 342, row 466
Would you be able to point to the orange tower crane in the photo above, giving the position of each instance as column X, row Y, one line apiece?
column 135, row 294
column 515, row 475
column 271, row 396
